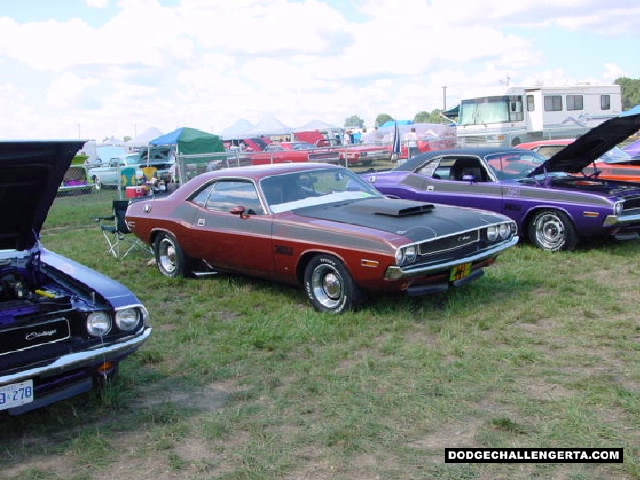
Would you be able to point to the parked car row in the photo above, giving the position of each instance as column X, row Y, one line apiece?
column 433, row 223
column 325, row 150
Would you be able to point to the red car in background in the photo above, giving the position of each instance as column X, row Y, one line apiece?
column 272, row 153
column 615, row 164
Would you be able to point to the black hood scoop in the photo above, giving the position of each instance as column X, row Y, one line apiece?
column 397, row 208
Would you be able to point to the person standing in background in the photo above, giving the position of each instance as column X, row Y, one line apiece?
column 411, row 139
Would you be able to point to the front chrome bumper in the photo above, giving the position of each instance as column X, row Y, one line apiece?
column 80, row 359
column 396, row 273
column 612, row 220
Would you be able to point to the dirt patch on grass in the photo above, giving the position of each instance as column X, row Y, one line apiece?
column 544, row 391
column 453, row 435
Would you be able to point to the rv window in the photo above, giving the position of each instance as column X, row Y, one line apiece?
column 605, row 102
column 574, row 102
column 531, row 105
column 553, row 103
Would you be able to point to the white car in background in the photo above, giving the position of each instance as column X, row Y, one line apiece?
column 128, row 170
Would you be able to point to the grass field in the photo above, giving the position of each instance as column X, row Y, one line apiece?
column 243, row 380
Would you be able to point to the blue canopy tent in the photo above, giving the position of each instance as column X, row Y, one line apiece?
column 392, row 123
column 634, row 111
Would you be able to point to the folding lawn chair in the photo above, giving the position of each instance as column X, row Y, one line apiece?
column 119, row 238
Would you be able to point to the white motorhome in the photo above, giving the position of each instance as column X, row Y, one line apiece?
column 524, row 114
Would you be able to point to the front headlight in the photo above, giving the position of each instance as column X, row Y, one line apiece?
column 504, row 230
column 127, row 319
column 492, row 233
column 617, row 208
column 406, row 255
column 410, row 254
column 98, row 324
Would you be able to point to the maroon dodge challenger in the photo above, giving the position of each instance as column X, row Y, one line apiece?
column 319, row 225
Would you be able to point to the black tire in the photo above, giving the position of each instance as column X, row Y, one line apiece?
column 552, row 230
column 330, row 286
column 170, row 258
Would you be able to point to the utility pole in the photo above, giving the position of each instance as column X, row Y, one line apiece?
column 444, row 98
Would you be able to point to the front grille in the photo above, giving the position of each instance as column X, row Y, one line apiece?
column 446, row 244
column 29, row 336
column 631, row 204
column 449, row 255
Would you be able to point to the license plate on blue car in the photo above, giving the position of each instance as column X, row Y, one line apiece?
column 16, row 394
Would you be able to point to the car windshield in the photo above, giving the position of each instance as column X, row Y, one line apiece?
column 317, row 187
column 514, row 165
column 302, row 146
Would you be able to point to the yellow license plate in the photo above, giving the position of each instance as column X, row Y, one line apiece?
column 460, row 271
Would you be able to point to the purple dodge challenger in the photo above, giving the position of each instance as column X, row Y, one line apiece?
column 553, row 203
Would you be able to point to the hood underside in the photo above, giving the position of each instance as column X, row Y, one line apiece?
column 30, row 174
column 591, row 146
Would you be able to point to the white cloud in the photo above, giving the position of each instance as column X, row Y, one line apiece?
column 206, row 64
column 70, row 91
column 97, row 3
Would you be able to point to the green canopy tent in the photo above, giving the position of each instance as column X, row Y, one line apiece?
column 195, row 151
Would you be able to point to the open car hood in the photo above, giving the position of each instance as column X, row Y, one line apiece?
column 30, row 174
column 591, row 146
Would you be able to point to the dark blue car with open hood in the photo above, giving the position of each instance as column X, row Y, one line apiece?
column 63, row 326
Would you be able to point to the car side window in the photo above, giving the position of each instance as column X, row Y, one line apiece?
column 200, row 198
column 465, row 166
column 227, row 194
column 436, row 168
column 440, row 168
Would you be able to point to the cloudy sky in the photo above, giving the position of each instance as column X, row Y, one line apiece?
column 98, row 68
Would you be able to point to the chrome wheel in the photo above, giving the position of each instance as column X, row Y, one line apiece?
column 170, row 258
column 552, row 230
column 329, row 285
column 166, row 256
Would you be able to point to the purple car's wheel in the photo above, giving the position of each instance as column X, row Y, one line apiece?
column 552, row 230
column 329, row 285
column 170, row 258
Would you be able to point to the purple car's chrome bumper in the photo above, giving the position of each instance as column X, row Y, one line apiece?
column 612, row 220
